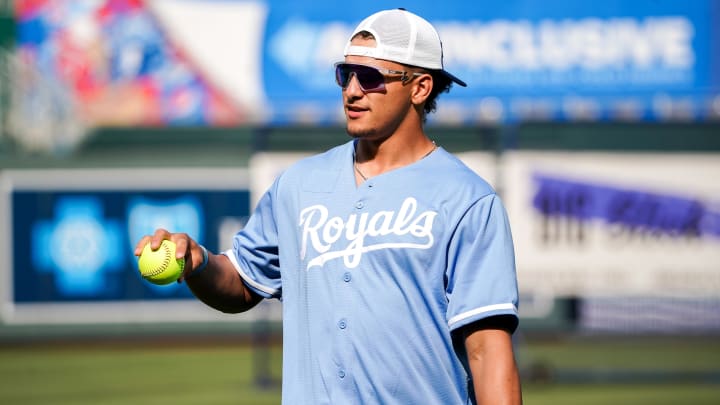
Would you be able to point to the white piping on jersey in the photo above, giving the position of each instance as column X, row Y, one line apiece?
column 324, row 232
column 229, row 253
column 467, row 314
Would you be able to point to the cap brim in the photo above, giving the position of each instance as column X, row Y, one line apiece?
column 453, row 78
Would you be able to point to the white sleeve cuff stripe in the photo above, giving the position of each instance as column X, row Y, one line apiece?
column 488, row 308
column 229, row 253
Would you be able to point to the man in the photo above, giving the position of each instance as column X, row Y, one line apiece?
column 393, row 260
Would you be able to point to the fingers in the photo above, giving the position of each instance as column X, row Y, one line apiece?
column 182, row 241
column 189, row 260
column 154, row 240
column 141, row 244
column 185, row 248
column 159, row 236
column 182, row 246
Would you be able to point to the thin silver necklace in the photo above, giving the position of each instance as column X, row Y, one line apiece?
column 364, row 177
column 357, row 169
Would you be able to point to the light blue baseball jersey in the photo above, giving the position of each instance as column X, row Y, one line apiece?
column 373, row 278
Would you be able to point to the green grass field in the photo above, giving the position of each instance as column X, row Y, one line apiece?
column 634, row 371
column 580, row 371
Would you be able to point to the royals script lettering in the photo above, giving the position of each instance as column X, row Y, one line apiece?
column 336, row 237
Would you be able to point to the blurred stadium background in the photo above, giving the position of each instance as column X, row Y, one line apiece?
column 598, row 123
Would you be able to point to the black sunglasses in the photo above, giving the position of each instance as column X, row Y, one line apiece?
column 370, row 78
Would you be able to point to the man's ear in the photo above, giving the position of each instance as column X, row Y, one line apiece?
column 422, row 86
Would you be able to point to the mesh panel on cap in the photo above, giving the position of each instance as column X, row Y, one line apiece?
column 427, row 47
column 407, row 39
column 394, row 33
column 401, row 37
column 394, row 30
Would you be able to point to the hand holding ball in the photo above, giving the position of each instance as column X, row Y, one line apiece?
column 160, row 266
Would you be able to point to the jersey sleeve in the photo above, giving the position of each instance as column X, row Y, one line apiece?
column 481, row 275
column 255, row 252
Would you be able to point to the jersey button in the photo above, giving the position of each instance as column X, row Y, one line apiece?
column 341, row 374
column 347, row 277
column 359, row 205
column 342, row 324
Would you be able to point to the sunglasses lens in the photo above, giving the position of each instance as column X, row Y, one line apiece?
column 342, row 75
column 369, row 78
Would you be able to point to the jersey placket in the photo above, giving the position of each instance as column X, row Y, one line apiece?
column 347, row 305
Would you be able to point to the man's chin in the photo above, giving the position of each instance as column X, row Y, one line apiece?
column 357, row 132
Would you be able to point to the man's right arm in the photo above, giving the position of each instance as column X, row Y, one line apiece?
column 220, row 286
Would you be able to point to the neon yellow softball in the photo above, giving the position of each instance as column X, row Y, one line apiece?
column 160, row 266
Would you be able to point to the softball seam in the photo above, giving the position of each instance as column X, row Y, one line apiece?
column 163, row 266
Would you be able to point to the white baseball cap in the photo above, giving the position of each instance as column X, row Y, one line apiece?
column 402, row 37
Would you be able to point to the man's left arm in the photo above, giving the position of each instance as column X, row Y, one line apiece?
column 492, row 364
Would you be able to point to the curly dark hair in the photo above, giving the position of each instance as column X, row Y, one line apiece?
column 441, row 84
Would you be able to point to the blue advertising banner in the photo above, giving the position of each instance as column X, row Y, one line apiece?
column 71, row 240
column 549, row 60
column 78, row 246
